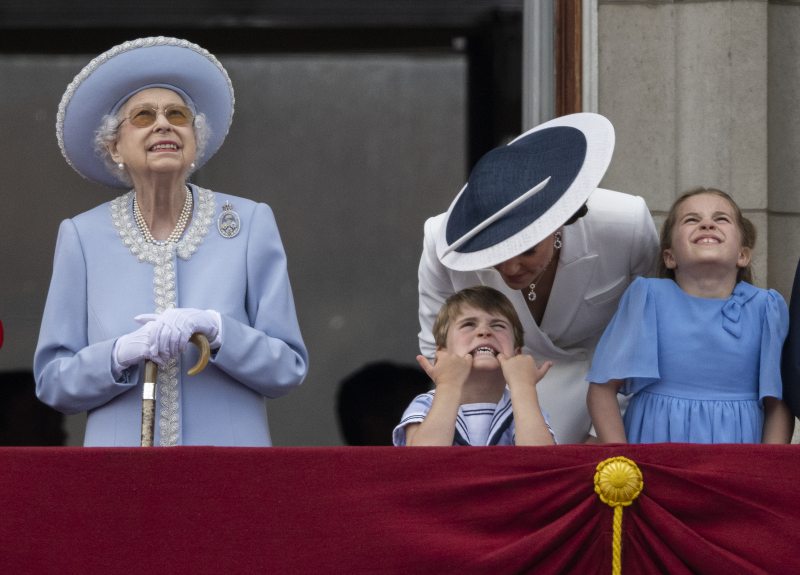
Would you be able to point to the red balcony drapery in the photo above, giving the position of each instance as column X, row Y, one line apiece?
column 704, row 509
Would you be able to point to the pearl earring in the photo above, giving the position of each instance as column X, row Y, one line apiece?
column 192, row 166
column 121, row 166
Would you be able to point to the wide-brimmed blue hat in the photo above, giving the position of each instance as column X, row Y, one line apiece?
column 519, row 194
column 106, row 82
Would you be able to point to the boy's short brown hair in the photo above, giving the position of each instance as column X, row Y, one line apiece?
column 483, row 298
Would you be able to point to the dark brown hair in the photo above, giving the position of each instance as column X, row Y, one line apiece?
column 582, row 211
column 483, row 298
column 747, row 231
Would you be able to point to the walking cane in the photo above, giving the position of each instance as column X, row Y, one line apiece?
column 150, row 380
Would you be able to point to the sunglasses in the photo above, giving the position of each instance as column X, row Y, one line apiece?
column 146, row 116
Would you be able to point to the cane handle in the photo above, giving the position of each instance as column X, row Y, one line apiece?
column 205, row 352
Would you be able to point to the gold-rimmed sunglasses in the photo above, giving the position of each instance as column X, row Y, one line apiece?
column 146, row 116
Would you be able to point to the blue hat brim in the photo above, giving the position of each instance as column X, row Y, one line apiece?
column 510, row 236
column 124, row 70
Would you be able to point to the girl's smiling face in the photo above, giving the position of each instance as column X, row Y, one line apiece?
column 706, row 233
column 482, row 335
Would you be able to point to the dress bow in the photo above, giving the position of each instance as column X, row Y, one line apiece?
column 732, row 310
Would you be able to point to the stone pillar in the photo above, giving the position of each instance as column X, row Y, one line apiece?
column 784, row 143
column 685, row 85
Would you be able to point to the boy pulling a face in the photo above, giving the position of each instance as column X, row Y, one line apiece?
column 485, row 387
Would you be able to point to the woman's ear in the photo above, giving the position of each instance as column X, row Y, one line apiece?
column 744, row 257
column 669, row 260
column 114, row 151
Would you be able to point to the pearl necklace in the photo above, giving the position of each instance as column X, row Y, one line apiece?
column 176, row 234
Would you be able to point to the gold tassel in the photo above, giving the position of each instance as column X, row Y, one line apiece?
column 618, row 482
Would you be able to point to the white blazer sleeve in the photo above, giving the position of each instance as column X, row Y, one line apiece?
column 645, row 249
column 435, row 286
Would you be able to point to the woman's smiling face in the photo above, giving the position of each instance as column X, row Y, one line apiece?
column 161, row 147
column 706, row 233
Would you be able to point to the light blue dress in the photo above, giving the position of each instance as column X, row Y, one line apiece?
column 104, row 275
column 698, row 368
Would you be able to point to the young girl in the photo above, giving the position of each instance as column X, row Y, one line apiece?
column 700, row 348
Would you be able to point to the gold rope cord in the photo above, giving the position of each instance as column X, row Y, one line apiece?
column 618, row 482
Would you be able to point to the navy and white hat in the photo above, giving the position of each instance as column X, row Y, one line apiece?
column 107, row 82
column 519, row 194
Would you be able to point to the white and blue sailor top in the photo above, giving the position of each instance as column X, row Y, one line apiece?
column 476, row 423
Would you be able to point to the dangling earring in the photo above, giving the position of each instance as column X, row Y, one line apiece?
column 192, row 166
column 121, row 166
column 557, row 243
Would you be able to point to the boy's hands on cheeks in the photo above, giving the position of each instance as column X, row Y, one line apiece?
column 449, row 372
column 448, row 368
column 522, row 369
column 522, row 374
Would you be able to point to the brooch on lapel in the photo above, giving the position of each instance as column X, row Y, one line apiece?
column 228, row 223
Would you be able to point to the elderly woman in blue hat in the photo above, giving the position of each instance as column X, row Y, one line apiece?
column 134, row 278
column 532, row 223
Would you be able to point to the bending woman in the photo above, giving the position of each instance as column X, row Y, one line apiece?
column 532, row 223
column 135, row 277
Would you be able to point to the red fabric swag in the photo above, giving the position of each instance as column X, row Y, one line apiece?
column 478, row 510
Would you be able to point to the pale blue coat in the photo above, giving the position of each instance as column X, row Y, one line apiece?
column 99, row 286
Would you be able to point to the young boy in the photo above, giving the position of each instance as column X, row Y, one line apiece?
column 478, row 353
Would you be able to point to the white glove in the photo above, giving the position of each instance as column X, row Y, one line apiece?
column 174, row 327
column 135, row 348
